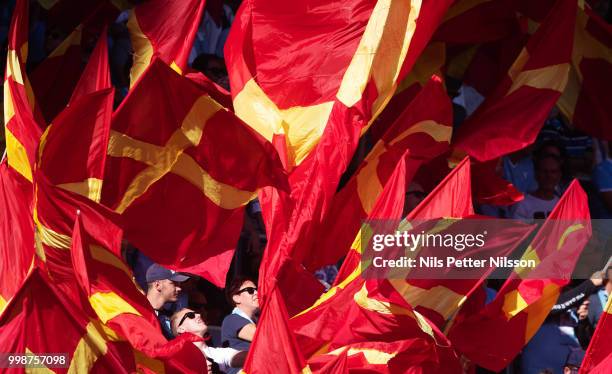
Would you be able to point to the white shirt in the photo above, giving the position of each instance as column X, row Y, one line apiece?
column 530, row 205
column 221, row 356
column 242, row 314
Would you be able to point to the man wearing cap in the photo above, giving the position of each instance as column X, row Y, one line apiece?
column 162, row 287
column 573, row 361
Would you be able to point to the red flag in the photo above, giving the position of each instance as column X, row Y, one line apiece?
column 598, row 358
column 471, row 22
column 220, row 94
column 356, row 310
column 55, row 77
column 65, row 15
column 118, row 302
column 534, row 83
column 314, row 112
column 180, row 170
column 525, row 299
column 21, row 129
column 415, row 355
column 490, row 62
column 79, row 166
column 40, row 321
column 164, row 28
column 54, row 215
column 16, row 232
column 274, row 348
column 490, row 188
column 96, row 75
column 586, row 97
column 429, row 63
column 439, row 299
column 419, row 134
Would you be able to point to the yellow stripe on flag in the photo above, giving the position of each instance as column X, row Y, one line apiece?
column 73, row 39
column 538, row 311
column 109, row 305
column 381, row 50
column 13, row 67
column 17, row 156
column 437, row 131
column 170, row 158
column 553, row 77
column 302, row 125
column 513, row 304
column 9, row 108
column 90, row 188
column 364, row 301
column 143, row 49
column 91, row 347
column 372, row 356
column 3, row 303
column 441, row 299
column 50, row 237
column 104, row 256
column 567, row 232
column 36, row 370
column 156, row 366
column 530, row 254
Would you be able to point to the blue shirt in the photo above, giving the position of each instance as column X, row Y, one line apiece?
column 231, row 326
column 521, row 174
column 548, row 349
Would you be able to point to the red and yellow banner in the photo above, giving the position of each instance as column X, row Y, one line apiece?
column 117, row 301
column 357, row 311
column 96, row 75
column 41, row 321
column 420, row 133
column 54, row 79
column 180, row 170
column 525, row 299
column 586, row 97
column 534, row 82
column 21, row 128
column 274, row 345
column 163, row 28
column 315, row 112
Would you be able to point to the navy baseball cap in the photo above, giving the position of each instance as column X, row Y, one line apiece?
column 157, row 272
column 575, row 358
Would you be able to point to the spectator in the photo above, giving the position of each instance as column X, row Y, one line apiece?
column 519, row 170
column 602, row 179
column 238, row 328
column 573, row 362
column 188, row 321
column 591, row 310
column 540, row 203
column 162, row 287
column 555, row 339
column 414, row 196
column 213, row 30
column 214, row 68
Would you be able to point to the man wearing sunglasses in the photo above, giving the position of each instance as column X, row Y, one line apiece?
column 188, row 321
column 238, row 328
